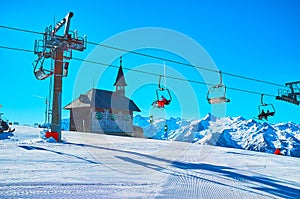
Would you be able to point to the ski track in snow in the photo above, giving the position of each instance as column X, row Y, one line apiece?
column 101, row 166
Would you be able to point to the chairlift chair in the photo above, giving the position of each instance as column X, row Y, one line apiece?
column 163, row 92
column 41, row 73
column 220, row 88
column 265, row 110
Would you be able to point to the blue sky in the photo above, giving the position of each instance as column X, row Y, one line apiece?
column 257, row 39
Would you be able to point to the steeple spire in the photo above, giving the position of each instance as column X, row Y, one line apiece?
column 120, row 80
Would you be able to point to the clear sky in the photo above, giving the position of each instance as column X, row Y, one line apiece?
column 257, row 39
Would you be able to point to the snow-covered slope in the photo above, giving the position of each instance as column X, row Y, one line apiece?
column 236, row 132
column 90, row 165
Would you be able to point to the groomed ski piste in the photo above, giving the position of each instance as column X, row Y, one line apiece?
column 90, row 165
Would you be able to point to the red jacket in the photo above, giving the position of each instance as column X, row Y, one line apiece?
column 277, row 152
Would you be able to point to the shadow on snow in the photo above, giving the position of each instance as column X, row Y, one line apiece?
column 5, row 135
column 260, row 183
column 56, row 152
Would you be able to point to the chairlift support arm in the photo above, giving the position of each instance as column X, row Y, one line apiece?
column 65, row 21
column 159, row 85
column 262, row 100
column 221, row 79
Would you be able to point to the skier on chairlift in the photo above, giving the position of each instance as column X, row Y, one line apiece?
column 162, row 102
column 270, row 110
column 262, row 115
column 265, row 115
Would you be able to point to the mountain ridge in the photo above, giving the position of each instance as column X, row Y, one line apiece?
column 233, row 132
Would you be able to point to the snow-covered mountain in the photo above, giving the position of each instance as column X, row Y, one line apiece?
column 234, row 132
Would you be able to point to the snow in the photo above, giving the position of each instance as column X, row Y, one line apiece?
column 236, row 132
column 90, row 165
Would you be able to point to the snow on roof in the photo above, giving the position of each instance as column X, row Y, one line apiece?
column 103, row 99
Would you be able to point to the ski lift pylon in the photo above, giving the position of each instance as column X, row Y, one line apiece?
column 215, row 89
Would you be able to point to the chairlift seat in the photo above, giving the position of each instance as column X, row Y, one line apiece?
column 40, row 74
column 218, row 100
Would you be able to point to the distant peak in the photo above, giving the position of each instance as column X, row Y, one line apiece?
column 249, row 121
column 210, row 117
column 242, row 118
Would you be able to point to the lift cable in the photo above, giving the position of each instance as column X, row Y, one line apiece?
column 146, row 72
column 171, row 77
column 159, row 58
column 17, row 49
column 22, row 30
column 186, row 64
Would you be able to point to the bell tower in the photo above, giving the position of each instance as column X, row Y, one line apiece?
column 120, row 81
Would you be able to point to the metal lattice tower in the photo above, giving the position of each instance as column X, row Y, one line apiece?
column 60, row 49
